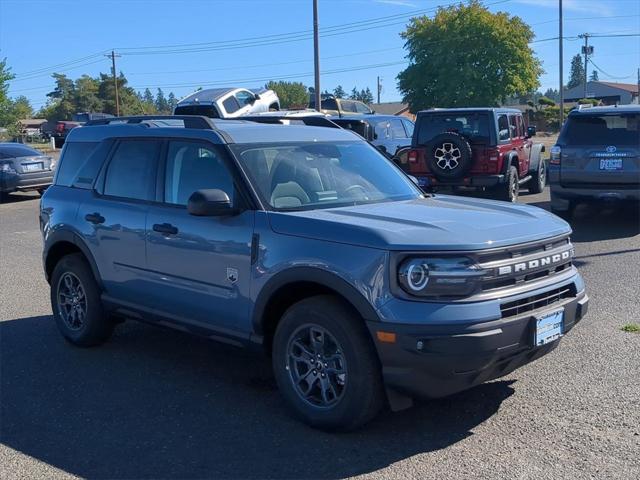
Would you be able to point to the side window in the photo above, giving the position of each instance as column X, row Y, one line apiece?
column 503, row 128
column 362, row 108
column 231, row 104
column 244, row 98
column 408, row 126
column 348, row 106
column 397, row 130
column 131, row 173
column 73, row 157
column 513, row 128
column 382, row 129
column 194, row 166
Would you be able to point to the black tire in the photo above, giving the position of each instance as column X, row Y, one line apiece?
column 508, row 191
column 360, row 396
column 94, row 326
column 539, row 178
column 449, row 156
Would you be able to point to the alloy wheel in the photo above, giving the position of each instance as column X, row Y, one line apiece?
column 317, row 366
column 72, row 301
column 447, row 156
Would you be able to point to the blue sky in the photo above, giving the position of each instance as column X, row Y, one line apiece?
column 39, row 37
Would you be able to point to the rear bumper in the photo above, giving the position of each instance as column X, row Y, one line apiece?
column 10, row 182
column 478, row 181
column 563, row 195
column 439, row 360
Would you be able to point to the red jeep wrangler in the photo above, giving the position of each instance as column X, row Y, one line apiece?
column 482, row 148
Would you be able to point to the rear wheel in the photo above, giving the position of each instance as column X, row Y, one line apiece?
column 539, row 179
column 326, row 365
column 75, row 300
column 509, row 190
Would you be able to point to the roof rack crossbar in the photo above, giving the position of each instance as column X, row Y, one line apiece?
column 312, row 121
column 190, row 121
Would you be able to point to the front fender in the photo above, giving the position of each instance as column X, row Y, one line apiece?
column 315, row 275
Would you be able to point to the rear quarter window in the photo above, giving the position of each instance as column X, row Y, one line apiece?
column 620, row 129
column 74, row 156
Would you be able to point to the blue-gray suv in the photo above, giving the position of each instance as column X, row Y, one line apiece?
column 307, row 243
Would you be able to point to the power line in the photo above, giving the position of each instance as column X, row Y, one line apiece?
column 607, row 74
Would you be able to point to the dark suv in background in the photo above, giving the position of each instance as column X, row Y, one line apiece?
column 596, row 158
column 481, row 148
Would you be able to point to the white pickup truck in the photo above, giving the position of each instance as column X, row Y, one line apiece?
column 227, row 102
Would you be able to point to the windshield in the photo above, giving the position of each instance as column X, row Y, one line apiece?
column 473, row 126
column 304, row 176
column 602, row 129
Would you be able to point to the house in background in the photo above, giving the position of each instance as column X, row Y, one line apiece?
column 608, row 93
column 393, row 108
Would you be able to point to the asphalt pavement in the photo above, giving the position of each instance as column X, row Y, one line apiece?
column 156, row 403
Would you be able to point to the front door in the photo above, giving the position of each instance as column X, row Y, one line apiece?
column 199, row 266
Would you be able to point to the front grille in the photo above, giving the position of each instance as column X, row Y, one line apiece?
column 520, row 265
column 528, row 304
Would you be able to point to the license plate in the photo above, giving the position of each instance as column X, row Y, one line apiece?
column 610, row 164
column 549, row 327
column 32, row 167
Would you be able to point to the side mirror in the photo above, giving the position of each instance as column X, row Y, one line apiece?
column 531, row 131
column 209, row 203
column 256, row 97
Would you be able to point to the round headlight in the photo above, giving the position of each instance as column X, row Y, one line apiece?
column 416, row 275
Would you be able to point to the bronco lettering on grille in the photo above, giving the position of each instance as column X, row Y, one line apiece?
column 535, row 263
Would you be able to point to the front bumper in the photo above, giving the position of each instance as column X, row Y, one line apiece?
column 437, row 360
column 10, row 182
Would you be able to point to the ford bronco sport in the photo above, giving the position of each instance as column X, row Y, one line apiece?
column 481, row 148
column 596, row 158
column 308, row 243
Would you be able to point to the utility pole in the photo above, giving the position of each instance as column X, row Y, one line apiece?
column 586, row 50
column 561, row 60
column 379, row 88
column 316, row 55
column 115, row 79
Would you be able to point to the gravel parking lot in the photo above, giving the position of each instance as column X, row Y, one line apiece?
column 155, row 403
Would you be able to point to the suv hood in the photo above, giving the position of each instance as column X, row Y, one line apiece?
column 442, row 222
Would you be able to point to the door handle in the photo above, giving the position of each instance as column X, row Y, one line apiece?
column 94, row 218
column 165, row 228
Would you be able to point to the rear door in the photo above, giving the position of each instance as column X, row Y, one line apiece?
column 113, row 219
column 600, row 149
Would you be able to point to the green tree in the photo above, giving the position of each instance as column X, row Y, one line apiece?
column 546, row 102
column 354, row 94
column 172, row 101
column 6, row 111
column 22, row 108
column 147, row 97
column 553, row 94
column 291, row 94
column 366, row 96
column 86, row 95
column 467, row 56
column 339, row 92
column 63, row 98
column 577, row 74
column 162, row 106
column 594, row 76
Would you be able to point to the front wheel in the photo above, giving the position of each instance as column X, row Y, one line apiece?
column 326, row 366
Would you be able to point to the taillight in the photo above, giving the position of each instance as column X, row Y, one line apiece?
column 493, row 154
column 60, row 127
column 413, row 156
column 556, row 154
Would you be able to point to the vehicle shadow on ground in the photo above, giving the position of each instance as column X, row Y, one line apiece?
column 154, row 403
column 18, row 197
column 592, row 223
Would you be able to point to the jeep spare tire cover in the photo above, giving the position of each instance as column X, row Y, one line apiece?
column 449, row 156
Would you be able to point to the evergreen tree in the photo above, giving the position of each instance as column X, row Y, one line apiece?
column 339, row 92
column 577, row 73
column 354, row 94
column 161, row 102
column 172, row 100
column 594, row 76
column 147, row 97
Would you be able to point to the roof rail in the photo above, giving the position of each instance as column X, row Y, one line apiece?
column 190, row 121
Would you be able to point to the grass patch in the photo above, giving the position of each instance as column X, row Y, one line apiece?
column 631, row 328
